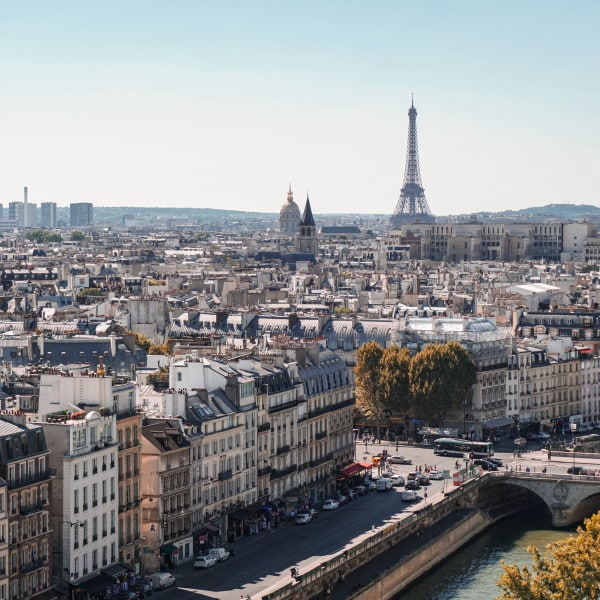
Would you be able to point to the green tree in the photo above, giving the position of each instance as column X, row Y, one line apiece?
column 395, row 389
column 149, row 346
column 568, row 569
column 441, row 376
column 42, row 236
column 77, row 236
column 367, row 381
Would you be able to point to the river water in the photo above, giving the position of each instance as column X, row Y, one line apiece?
column 472, row 573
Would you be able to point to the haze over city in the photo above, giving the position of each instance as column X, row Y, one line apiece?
column 198, row 104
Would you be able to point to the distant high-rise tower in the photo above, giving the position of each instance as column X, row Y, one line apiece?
column 412, row 205
column 25, row 210
column 48, row 214
column 82, row 214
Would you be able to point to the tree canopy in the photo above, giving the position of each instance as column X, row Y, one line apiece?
column 568, row 569
column 149, row 346
column 441, row 376
column 43, row 236
column 431, row 384
column 394, row 380
column 367, row 378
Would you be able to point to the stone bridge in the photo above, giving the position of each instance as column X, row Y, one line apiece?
column 569, row 498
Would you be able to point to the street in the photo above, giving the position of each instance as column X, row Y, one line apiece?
column 264, row 560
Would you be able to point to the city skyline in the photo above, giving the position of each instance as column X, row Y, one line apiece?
column 198, row 105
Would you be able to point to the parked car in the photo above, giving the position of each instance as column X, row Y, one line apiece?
column 409, row 496
column 397, row 480
column 342, row 499
column 161, row 580
column 399, row 460
column 330, row 504
column 576, row 471
column 203, row 562
column 144, row 588
column 313, row 512
column 128, row 595
column 497, row 461
column 303, row 518
column 435, row 474
column 360, row 490
column 412, row 484
column 420, row 478
column 544, row 436
column 370, row 484
column 384, row 484
column 351, row 495
column 220, row 554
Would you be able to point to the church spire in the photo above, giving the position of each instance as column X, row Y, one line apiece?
column 307, row 216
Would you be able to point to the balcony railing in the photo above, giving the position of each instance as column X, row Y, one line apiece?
column 284, row 406
column 27, row 509
column 32, row 565
column 224, row 475
column 278, row 473
column 18, row 482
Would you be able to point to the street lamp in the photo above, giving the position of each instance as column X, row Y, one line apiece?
column 573, row 430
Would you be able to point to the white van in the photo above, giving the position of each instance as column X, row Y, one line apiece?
column 383, row 484
column 409, row 496
column 161, row 580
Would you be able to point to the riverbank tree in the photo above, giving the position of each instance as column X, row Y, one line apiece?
column 441, row 376
column 567, row 570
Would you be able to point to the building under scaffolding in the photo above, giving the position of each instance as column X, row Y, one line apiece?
column 484, row 411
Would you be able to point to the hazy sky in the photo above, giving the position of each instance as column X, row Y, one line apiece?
column 224, row 104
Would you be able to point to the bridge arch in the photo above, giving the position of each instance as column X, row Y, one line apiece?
column 568, row 499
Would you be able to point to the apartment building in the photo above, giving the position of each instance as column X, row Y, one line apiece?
column 543, row 384
column 25, row 545
column 111, row 397
column 166, row 493
column 4, row 555
column 324, row 418
column 84, row 508
column 589, row 370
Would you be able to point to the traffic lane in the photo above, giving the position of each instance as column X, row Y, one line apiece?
column 536, row 460
column 267, row 558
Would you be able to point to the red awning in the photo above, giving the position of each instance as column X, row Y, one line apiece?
column 354, row 468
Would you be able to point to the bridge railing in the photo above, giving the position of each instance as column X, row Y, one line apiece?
column 540, row 475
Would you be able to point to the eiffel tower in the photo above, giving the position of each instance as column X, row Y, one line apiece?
column 412, row 205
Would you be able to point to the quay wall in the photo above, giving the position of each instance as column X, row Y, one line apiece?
column 372, row 544
column 393, row 581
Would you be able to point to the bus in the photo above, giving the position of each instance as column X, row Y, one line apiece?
column 456, row 447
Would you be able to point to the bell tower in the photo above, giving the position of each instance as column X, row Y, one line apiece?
column 307, row 241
